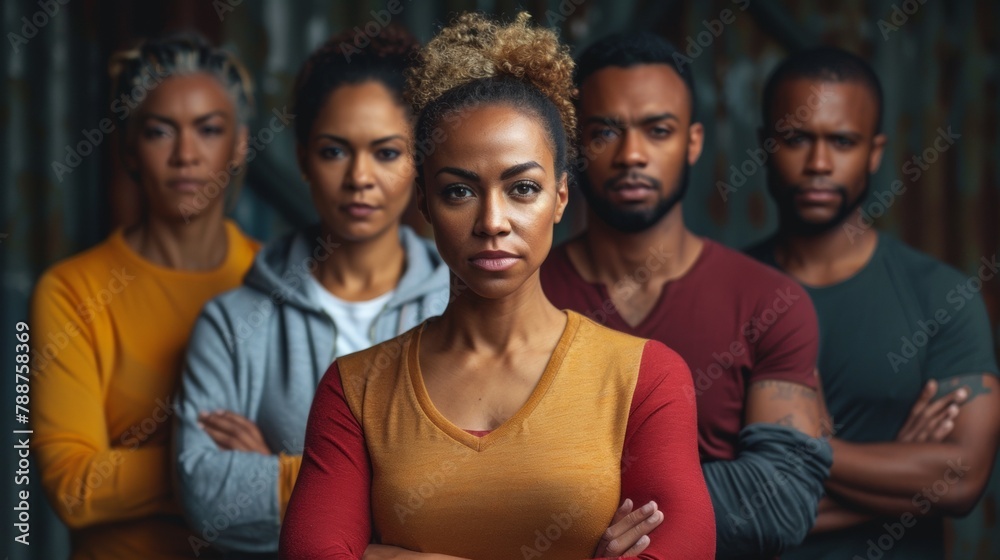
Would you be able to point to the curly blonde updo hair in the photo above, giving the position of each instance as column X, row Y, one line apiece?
column 475, row 61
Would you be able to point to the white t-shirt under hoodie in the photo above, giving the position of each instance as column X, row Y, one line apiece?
column 353, row 319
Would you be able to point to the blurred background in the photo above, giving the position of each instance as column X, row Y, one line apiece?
column 63, row 190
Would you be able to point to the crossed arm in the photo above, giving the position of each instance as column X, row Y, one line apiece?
column 931, row 477
column 765, row 499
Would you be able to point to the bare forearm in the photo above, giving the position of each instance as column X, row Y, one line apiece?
column 833, row 516
column 894, row 469
column 920, row 503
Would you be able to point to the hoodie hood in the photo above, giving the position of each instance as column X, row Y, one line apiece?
column 281, row 268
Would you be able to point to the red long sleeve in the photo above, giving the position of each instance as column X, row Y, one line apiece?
column 660, row 458
column 328, row 514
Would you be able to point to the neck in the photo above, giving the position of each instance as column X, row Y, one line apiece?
column 360, row 270
column 524, row 318
column 666, row 251
column 830, row 256
column 199, row 244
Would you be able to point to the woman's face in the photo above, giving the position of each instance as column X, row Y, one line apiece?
column 185, row 145
column 491, row 194
column 358, row 163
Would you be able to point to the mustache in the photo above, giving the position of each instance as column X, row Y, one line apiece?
column 800, row 188
column 634, row 177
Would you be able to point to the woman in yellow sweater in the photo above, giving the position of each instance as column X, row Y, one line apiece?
column 113, row 321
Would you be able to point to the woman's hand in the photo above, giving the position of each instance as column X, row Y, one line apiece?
column 233, row 432
column 628, row 534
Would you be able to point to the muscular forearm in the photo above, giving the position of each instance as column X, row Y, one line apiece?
column 900, row 471
column 927, row 501
column 833, row 516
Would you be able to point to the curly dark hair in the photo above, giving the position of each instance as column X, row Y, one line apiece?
column 344, row 59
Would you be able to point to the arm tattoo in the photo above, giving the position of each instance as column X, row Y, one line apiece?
column 786, row 420
column 975, row 384
column 784, row 390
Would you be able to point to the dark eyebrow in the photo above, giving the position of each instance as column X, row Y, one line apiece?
column 373, row 142
column 464, row 173
column 520, row 168
column 508, row 173
column 599, row 119
column 198, row 120
column 616, row 122
column 849, row 134
column 660, row 117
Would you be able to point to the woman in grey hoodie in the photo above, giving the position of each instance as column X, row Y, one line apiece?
column 357, row 278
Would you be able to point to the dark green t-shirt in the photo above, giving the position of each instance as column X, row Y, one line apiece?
column 902, row 320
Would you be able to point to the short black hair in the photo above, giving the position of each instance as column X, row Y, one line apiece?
column 824, row 64
column 626, row 50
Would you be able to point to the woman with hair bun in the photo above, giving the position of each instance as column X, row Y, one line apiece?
column 505, row 428
column 115, row 318
column 356, row 278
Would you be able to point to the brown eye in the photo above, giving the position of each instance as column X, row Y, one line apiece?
column 525, row 189
column 457, row 192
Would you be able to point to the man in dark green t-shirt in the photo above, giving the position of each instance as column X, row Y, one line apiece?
column 899, row 331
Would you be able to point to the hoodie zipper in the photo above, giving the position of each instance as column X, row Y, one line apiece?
column 371, row 330
column 333, row 327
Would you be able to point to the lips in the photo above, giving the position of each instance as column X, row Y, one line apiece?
column 631, row 191
column 186, row 185
column 494, row 261
column 818, row 196
column 358, row 210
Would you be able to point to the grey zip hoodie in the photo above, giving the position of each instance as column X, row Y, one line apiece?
column 260, row 351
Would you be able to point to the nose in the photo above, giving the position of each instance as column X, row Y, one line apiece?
column 185, row 149
column 631, row 150
column 819, row 162
column 361, row 175
column 493, row 219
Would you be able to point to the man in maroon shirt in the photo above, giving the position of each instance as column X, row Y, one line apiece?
column 748, row 333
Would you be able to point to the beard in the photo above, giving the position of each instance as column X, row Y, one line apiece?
column 628, row 220
column 792, row 221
